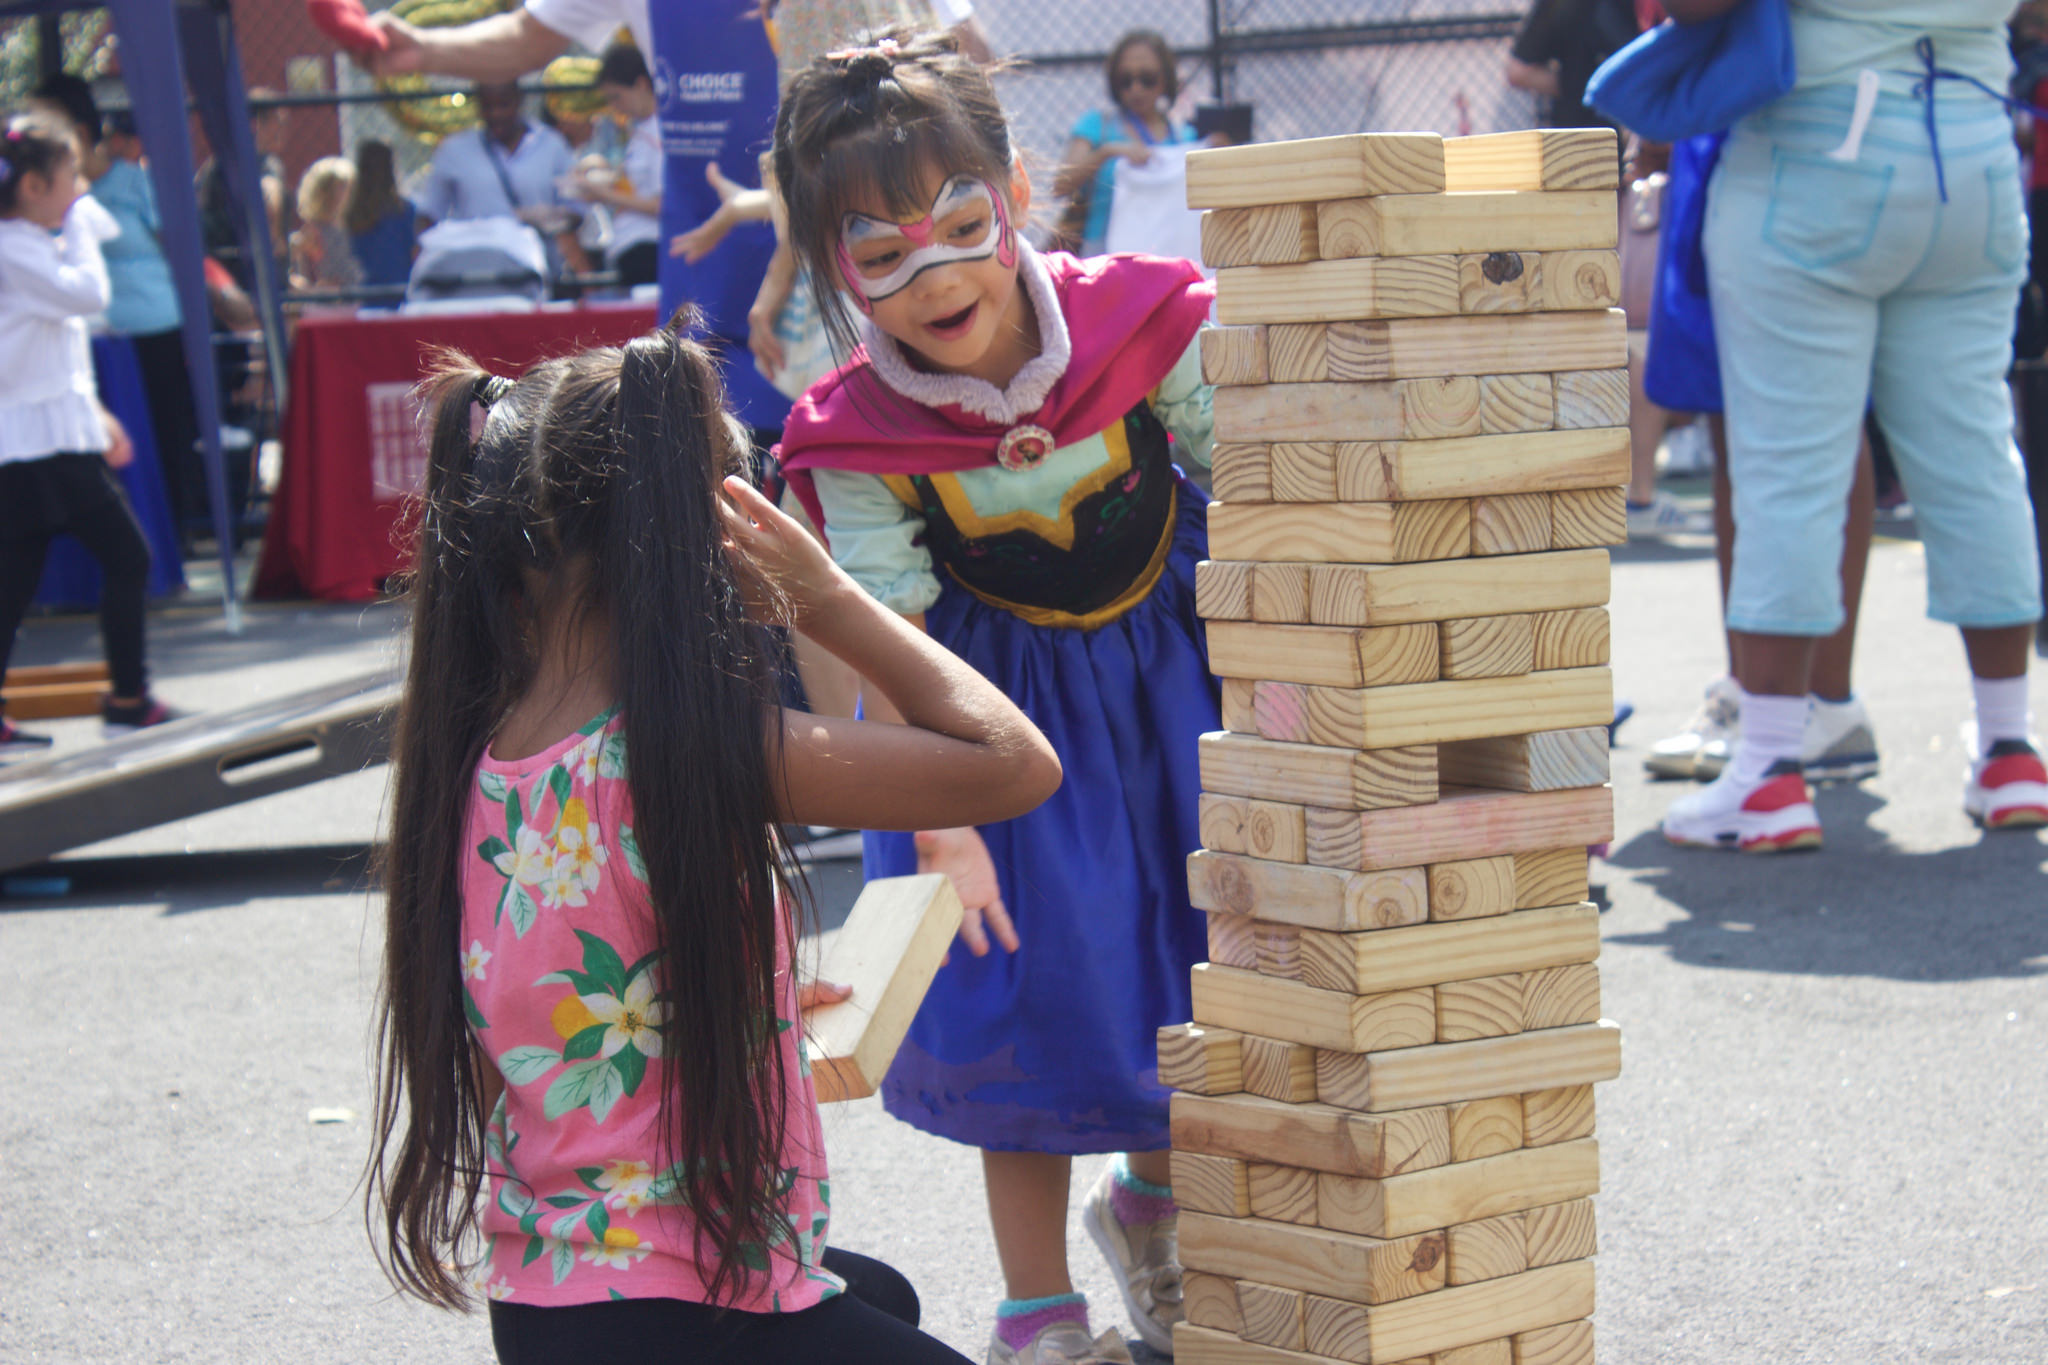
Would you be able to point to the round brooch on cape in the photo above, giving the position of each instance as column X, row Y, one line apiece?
column 1024, row 448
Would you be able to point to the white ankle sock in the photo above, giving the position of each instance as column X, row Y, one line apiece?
column 1772, row 727
column 2001, row 710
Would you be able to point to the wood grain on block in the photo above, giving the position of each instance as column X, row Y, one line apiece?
column 1570, row 280
column 1378, row 961
column 1271, row 1315
column 1568, row 1343
column 1534, row 159
column 1285, row 1194
column 1298, row 353
column 1332, row 656
column 1266, row 234
column 1333, row 291
column 1219, row 1185
column 1231, row 942
column 1588, row 516
column 1410, row 718
column 1572, row 639
column 1194, row 1345
column 1561, row 1114
column 1515, row 402
column 1308, row 170
column 1442, row 590
column 1437, row 409
column 1246, row 765
column 1464, row 822
column 1241, row 473
column 1556, row 997
column 1209, row 1300
column 1486, row 646
column 1484, row 1007
column 1492, row 468
column 1592, row 398
column 1219, row 821
column 1488, row 1127
column 1274, row 1007
column 1236, row 699
column 1341, row 533
column 1548, row 760
column 1466, row 223
column 1473, row 1313
column 1276, row 832
column 1511, row 524
column 1306, row 471
column 1280, row 1070
column 1561, row 1232
column 1223, row 591
column 1325, row 412
column 1315, row 1260
column 1280, row 593
column 1445, row 1072
column 1305, row 895
column 1485, row 1249
column 1207, row 1061
column 1497, row 281
column 1460, row 1192
column 1499, row 1351
column 1233, row 355
column 1277, row 952
column 1554, row 876
column 888, row 951
column 1472, row 888
column 1437, row 346
column 1317, row 1137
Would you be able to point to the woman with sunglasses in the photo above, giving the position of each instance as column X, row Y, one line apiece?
column 1142, row 87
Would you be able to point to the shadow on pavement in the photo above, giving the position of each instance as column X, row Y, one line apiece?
column 183, row 883
column 1859, row 907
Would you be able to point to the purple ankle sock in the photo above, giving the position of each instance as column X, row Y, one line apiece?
column 1019, row 1320
column 1132, row 1200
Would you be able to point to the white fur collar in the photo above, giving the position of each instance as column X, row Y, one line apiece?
column 1027, row 391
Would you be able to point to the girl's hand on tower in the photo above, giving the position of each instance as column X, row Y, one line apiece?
column 962, row 856
column 786, row 574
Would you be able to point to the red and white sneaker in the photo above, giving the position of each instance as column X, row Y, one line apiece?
column 1771, row 815
column 2008, row 787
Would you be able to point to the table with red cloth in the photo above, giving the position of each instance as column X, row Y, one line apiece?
column 354, row 449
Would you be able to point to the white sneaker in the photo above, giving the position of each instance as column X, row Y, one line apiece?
column 1773, row 814
column 1063, row 1343
column 1839, row 745
column 1689, row 449
column 1661, row 516
column 1706, row 738
column 1146, row 1259
column 2008, row 787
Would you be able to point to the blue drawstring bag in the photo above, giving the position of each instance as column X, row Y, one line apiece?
column 1682, row 80
column 1682, row 372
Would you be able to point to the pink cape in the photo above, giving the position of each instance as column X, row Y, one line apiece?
column 1130, row 318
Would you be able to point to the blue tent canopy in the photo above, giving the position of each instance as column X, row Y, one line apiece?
column 168, row 46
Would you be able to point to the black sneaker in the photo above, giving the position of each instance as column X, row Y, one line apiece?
column 16, row 742
column 125, row 717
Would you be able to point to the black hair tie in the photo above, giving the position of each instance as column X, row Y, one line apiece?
column 491, row 390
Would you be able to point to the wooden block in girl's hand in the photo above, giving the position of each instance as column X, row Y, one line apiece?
column 1592, row 398
column 1332, row 656
column 888, row 951
column 1315, row 1261
column 1571, row 639
column 1548, row 760
column 1233, row 355
column 1271, row 1007
column 1244, row 765
column 1308, row 170
column 1415, row 715
column 1396, row 594
column 1266, row 234
column 1546, row 877
column 1462, row 1192
column 1319, row 1137
column 1312, row 897
column 1399, row 959
column 1588, row 516
column 1486, row 646
column 1335, row 291
column 1341, row 533
column 1207, row 1061
column 1464, row 822
column 1437, row 347
column 1556, row 1059
column 1534, row 159
column 1466, row 223
column 1211, row 1184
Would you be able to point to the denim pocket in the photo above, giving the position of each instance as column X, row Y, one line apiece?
column 1823, row 212
column 2005, row 227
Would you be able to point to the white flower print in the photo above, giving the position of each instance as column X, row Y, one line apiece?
column 561, row 886
column 636, row 1019
column 618, row 1251
column 530, row 860
column 581, row 761
column 473, row 961
column 626, row 1184
column 582, row 848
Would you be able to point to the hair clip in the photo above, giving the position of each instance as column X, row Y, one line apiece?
column 886, row 47
column 491, row 390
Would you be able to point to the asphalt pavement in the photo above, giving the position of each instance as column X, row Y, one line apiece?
column 1826, row 1144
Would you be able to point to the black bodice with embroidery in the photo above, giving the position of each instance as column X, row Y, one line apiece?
column 1117, row 533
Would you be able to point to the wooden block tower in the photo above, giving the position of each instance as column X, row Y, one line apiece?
column 1383, row 1131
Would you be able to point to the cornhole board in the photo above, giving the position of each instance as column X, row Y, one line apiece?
column 888, row 951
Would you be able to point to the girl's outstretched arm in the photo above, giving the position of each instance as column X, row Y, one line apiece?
column 964, row 753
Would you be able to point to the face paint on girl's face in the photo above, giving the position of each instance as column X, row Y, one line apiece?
column 966, row 222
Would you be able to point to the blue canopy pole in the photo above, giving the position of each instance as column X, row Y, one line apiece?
column 155, row 73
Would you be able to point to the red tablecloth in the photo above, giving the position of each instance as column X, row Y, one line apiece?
column 353, row 448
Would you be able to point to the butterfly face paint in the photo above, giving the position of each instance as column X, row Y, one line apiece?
column 967, row 222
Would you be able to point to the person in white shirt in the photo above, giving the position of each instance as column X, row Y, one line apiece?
column 632, row 191
column 506, row 167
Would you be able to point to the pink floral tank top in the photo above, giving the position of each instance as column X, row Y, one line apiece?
column 559, row 983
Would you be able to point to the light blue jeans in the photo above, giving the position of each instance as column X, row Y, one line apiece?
column 1837, row 284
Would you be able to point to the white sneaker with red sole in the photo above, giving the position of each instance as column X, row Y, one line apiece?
column 2008, row 787
column 1771, row 815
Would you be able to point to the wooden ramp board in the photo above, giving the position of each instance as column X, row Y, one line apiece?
column 1440, row 347
column 1372, row 962
column 1309, row 170
column 1464, row 822
column 1336, row 291
column 1315, row 1260
column 1534, row 159
column 1466, row 222
column 888, row 951
column 1460, row 1192
column 1486, row 468
column 1416, row 714
column 1440, row 1073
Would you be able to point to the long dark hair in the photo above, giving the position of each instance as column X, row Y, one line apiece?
column 871, row 123
column 610, row 459
column 375, row 190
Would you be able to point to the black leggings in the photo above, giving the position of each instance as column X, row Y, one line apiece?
column 75, row 494
column 873, row 1323
column 168, row 384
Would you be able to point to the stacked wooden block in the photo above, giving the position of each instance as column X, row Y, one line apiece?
column 1383, row 1136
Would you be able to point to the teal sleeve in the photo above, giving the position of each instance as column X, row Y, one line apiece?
column 874, row 538
column 1186, row 406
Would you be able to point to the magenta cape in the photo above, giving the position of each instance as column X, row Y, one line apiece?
column 1130, row 318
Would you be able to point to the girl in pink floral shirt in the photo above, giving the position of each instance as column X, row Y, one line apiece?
column 594, row 1108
